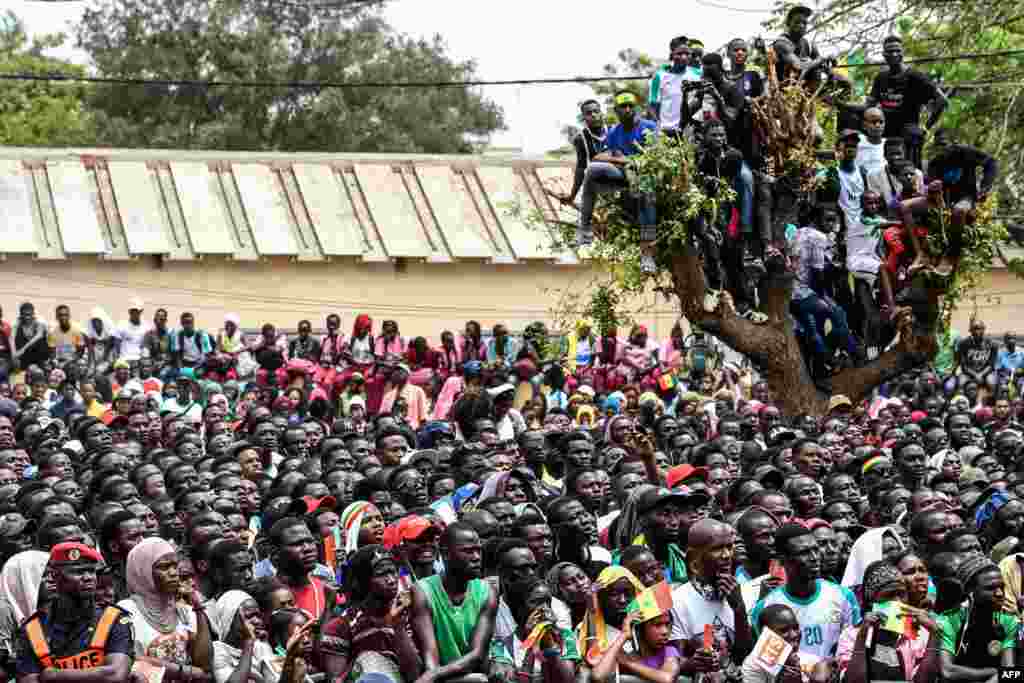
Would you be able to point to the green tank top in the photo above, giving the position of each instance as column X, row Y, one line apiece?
column 453, row 625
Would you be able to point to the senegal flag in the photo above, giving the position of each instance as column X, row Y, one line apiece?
column 652, row 602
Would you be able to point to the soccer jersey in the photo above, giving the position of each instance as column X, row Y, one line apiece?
column 822, row 616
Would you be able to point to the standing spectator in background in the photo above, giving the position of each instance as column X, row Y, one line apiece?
column 665, row 93
column 189, row 346
column 65, row 339
column 6, row 360
column 131, row 333
column 902, row 93
column 975, row 358
column 1010, row 362
column 30, row 347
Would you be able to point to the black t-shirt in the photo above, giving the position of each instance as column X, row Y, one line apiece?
column 976, row 356
column 957, row 168
column 902, row 97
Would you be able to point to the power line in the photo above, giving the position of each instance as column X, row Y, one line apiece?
column 342, row 85
column 742, row 10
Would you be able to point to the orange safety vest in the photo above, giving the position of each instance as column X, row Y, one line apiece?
column 89, row 658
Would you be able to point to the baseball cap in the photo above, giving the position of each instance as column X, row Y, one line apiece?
column 407, row 529
column 681, row 473
column 121, row 363
column 135, row 304
column 656, row 497
column 307, row 505
column 839, row 401
column 68, row 553
column 495, row 392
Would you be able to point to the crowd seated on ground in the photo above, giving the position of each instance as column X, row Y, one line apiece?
column 346, row 507
column 188, row 505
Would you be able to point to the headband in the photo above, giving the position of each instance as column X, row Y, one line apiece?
column 872, row 462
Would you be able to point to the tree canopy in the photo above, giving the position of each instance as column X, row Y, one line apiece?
column 267, row 40
column 38, row 112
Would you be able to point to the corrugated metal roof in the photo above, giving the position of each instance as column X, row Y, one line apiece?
column 59, row 203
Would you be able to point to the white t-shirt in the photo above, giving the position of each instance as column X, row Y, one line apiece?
column 131, row 340
column 861, row 249
column 822, row 617
column 670, row 98
column 851, row 188
column 870, row 157
column 149, row 642
column 690, row 611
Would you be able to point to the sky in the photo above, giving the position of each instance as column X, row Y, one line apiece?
column 524, row 39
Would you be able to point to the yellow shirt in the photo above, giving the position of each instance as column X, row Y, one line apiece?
column 96, row 409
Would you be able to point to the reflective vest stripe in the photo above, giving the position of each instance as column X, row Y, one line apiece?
column 92, row 656
column 34, row 631
column 103, row 626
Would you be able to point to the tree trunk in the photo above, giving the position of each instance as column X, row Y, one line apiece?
column 773, row 347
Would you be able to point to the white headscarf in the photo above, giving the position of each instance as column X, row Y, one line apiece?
column 22, row 578
column 866, row 550
column 226, row 609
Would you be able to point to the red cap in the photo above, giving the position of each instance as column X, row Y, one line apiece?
column 307, row 505
column 680, row 473
column 816, row 523
column 406, row 529
column 66, row 553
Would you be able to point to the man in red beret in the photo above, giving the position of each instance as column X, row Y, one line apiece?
column 71, row 638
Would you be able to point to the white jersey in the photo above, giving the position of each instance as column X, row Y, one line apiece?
column 870, row 157
column 822, row 617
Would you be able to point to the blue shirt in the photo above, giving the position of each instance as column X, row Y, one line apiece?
column 621, row 140
column 1005, row 360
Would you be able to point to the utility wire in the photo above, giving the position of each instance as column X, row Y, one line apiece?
column 342, row 85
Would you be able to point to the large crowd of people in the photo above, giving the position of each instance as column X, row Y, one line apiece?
column 871, row 237
column 194, row 506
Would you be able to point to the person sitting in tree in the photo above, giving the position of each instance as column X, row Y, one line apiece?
column 717, row 163
column 800, row 58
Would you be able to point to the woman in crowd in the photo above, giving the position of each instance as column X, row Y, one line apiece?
column 242, row 648
column 870, row 652
column 168, row 635
column 374, row 633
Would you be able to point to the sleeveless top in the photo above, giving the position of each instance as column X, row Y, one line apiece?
column 453, row 624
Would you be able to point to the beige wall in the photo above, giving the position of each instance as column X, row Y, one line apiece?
column 1000, row 304
column 424, row 298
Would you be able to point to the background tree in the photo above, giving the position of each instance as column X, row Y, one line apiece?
column 38, row 112
column 271, row 40
column 786, row 119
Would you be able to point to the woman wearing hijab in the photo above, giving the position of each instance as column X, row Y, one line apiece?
column 610, row 596
column 99, row 338
column 869, row 653
column 22, row 584
column 517, row 486
column 373, row 635
column 639, row 355
column 168, row 635
column 872, row 546
column 243, row 648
